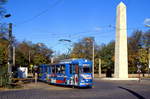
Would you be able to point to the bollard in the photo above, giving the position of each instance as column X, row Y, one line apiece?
column 35, row 78
column 139, row 78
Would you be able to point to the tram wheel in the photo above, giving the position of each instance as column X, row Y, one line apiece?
column 73, row 86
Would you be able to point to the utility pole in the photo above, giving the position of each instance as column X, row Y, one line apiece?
column 93, row 57
column 149, row 62
column 14, row 49
column 29, row 57
column 148, row 25
column 91, row 41
column 10, row 53
column 99, row 68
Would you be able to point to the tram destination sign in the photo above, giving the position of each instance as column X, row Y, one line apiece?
column 86, row 64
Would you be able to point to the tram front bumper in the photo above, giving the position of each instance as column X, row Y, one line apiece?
column 87, row 82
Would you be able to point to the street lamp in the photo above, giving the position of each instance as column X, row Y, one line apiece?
column 10, row 53
column 66, row 40
column 148, row 25
column 7, row 15
column 93, row 52
column 30, row 52
column 93, row 56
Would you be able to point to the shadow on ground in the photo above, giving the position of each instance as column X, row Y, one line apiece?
column 132, row 92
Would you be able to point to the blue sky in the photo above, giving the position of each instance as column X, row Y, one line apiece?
column 47, row 21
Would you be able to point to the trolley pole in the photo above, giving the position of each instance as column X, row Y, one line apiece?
column 10, row 53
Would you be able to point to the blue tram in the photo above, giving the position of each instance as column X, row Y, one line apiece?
column 74, row 72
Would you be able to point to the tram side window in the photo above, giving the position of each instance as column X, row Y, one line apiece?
column 53, row 69
column 58, row 69
column 73, row 68
column 71, row 72
column 62, row 69
column 45, row 69
column 76, row 69
column 48, row 69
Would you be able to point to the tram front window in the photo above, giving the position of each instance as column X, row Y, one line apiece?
column 86, row 70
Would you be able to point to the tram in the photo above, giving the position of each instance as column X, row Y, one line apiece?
column 73, row 72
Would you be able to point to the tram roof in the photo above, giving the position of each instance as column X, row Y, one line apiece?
column 71, row 61
column 75, row 61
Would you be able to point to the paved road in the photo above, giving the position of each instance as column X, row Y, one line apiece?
column 101, row 90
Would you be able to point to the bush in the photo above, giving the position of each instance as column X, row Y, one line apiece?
column 3, row 76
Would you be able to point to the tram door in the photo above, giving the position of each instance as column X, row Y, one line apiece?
column 76, row 78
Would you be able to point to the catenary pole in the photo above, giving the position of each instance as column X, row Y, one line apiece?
column 14, row 49
column 93, row 58
column 149, row 62
column 10, row 53
column 100, row 68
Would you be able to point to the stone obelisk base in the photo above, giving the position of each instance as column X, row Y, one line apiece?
column 119, row 78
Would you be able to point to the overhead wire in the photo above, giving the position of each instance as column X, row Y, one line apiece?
column 76, row 35
column 40, row 13
column 67, row 34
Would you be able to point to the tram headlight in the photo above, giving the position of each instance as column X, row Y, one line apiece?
column 82, row 79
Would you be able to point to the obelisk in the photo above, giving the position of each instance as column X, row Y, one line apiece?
column 121, row 58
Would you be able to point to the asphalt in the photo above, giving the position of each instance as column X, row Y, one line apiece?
column 102, row 89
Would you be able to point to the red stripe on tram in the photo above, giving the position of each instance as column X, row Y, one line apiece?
column 59, row 81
